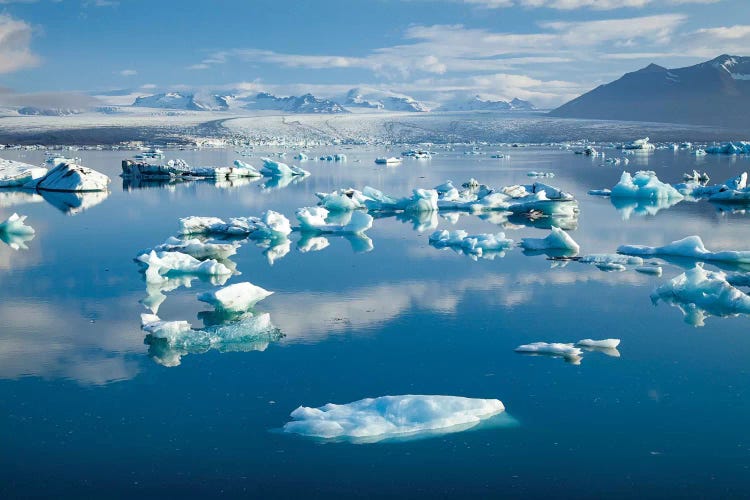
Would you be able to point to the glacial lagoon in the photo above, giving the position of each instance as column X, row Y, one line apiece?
column 89, row 407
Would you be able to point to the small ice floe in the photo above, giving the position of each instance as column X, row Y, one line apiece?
column 568, row 352
column 540, row 174
column 611, row 258
column 600, row 192
column 731, row 190
column 480, row 245
column 390, row 161
column 17, row 174
column 556, row 240
column 70, row 177
column 605, row 346
column 301, row 156
column 421, row 200
column 389, row 417
column 640, row 145
column 163, row 263
column 239, row 297
column 168, row 341
column 343, row 200
column 274, row 168
column 691, row 247
column 317, row 220
column 696, row 176
column 14, row 233
column 196, row 248
column 270, row 225
column 644, row 185
column 654, row 270
column 700, row 152
column 699, row 293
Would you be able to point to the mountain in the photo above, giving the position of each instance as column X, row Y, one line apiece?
column 364, row 97
column 194, row 102
column 715, row 92
column 476, row 103
column 45, row 111
column 307, row 103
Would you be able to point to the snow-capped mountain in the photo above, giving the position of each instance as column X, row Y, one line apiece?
column 44, row 111
column 194, row 102
column 307, row 103
column 363, row 97
column 476, row 103
column 715, row 92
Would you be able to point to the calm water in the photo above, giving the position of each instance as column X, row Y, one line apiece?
column 84, row 409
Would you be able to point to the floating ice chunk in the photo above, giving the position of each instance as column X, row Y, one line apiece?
column 640, row 145
column 644, row 184
column 655, row 270
column 730, row 148
column 70, row 177
column 600, row 192
column 314, row 219
column 422, row 200
column 246, row 169
column 301, row 156
column 696, row 177
column 611, row 258
column 556, row 240
column 170, row 340
column 14, row 225
column 270, row 225
column 540, row 174
column 278, row 169
column 239, row 297
column 162, row 263
column 196, row 248
column 569, row 352
column 610, row 266
column 477, row 244
column 691, row 247
column 17, row 174
column 392, row 416
column 343, row 200
column 602, row 344
column 700, row 293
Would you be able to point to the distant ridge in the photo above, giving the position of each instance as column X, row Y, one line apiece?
column 476, row 103
column 715, row 92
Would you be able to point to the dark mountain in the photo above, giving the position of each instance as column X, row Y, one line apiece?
column 715, row 92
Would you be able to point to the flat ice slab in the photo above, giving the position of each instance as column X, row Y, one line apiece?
column 196, row 248
column 477, row 244
column 691, row 247
column 569, row 352
column 70, row 177
column 17, row 174
column 270, row 225
column 162, row 263
column 238, row 297
column 375, row 419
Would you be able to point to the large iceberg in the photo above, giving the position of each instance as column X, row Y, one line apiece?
column 700, row 293
column 644, row 184
column 17, row 174
column 70, row 177
column 162, row 263
column 556, row 240
column 316, row 219
column 270, row 225
column 477, row 244
column 239, row 297
column 730, row 148
column 376, row 419
column 691, row 247
column 196, row 248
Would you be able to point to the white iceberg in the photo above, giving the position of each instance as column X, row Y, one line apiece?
column 343, row 200
column 375, row 419
column 655, row 270
column 162, row 263
column 314, row 219
column 16, row 173
column 700, row 293
column 245, row 169
column 196, row 248
column 600, row 192
column 556, row 240
column 274, row 168
column 14, row 225
column 644, row 184
column 270, row 225
column 691, row 247
column 640, row 145
column 602, row 344
column 609, row 258
column 569, row 352
column 70, row 177
column 477, row 244
column 239, row 297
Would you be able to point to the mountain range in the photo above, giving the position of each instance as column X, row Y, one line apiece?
column 715, row 92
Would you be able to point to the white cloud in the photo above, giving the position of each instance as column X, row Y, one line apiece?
column 15, row 53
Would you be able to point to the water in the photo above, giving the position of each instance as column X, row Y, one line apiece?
column 86, row 411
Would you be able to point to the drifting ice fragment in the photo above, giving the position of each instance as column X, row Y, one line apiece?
column 691, row 247
column 371, row 420
column 603, row 344
column 17, row 174
column 600, row 192
column 314, row 219
column 70, row 177
column 700, row 294
column 569, row 352
column 162, row 263
column 273, row 168
column 196, row 248
column 342, row 200
column 239, row 297
column 644, row 184
column 556, row 240
column 611, row 258
column 478, row 244
column 270, row 225
column 14, row 225
column 655, row 270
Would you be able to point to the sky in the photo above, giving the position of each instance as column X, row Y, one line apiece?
column 545, row 51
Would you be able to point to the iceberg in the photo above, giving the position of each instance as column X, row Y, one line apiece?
column 569, row 352
column 534, row 173
column 699, row 293
column 556, row 240
column 168, row 341
column 243, row 169
column 605, row 346
column 14, row 225
column 272, row 168
column 376, row 419
column 269, row 226
column 730, row 148
column 608, row 258
column 162, row 263
column 70, row 177
column 196, row 248
column 316, row 220
column 644, row 184
column 343, row 200
column 239, row 297
column 655, row 270
column 691, row 247
column 17, row 174
column 640, row 145
column 600, row 192
column 479, row 244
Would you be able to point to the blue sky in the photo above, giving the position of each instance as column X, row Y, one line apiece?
column 543, row 50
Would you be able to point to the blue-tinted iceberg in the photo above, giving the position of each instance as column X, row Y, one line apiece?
column 644, row 184
column 270, row 225
column 239, row 297
column 556, row 240
column 730, row 148
column 376, row 419
column 17, row 174
column 70, row 177
column 274, row 168
column 691, row 247
column 478, row 244
column 14, row 233
column 160, row 264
